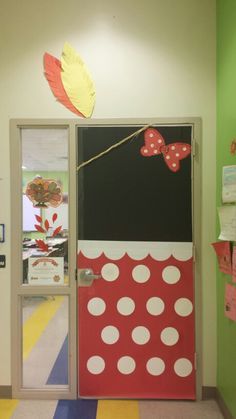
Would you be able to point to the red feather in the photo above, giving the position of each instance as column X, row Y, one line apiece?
column 56, row 231
column 46, row 224
column 38, row 218
column 39, row 228
column 52, row 68
column 54, row 217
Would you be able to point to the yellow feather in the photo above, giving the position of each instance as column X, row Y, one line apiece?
column 77, row 81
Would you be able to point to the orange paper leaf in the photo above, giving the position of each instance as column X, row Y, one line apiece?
column 54, row 217
column 46, row 224
column 56, row 231
column 39, row 228
column 38, row 218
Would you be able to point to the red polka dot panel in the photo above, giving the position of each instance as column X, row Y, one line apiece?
column 136, row 328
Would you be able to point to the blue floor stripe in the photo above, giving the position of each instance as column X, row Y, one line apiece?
column 76, row 409
column 59, row 373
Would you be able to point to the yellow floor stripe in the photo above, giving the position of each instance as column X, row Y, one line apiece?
column 117, row 409
column 7, row 408
column 35, row 325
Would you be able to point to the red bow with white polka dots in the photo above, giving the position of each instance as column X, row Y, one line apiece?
column 172, row 153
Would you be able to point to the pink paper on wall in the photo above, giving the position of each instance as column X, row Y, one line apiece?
column 234, row 264
column 223, row 253
column 230, row 302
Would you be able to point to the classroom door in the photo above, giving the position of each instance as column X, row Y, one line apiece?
column 136, row 336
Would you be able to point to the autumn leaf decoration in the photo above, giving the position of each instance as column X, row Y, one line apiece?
column 44, row 229
column 70, row 81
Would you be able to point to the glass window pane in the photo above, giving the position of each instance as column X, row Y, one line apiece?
column 45, row 206
column 45, row 341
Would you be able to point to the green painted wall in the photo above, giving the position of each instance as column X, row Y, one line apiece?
column 226, row 131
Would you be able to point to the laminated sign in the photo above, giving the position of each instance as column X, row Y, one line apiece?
column 46, row 271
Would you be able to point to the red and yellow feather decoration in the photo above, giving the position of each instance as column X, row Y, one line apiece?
column 70, row 81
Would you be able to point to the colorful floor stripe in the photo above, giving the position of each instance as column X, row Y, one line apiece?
column 39, row 363
column 108, row 409
column 59, row 373
column 76, row 409
column 35, row 325
column 7, row 408
column 35, row 409
column 117, row 409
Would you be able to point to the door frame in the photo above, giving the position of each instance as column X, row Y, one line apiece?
column 18, row 290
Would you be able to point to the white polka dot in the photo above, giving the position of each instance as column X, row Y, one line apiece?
column 159, row 141
column 145, row 150
column 173, row 147
column 125, row 306
column 169, row 336
column 141, row 273
column 140, row 335
column 155, row 306
column 183, row 307
column 171, row 274
column 152, row 145
column 183, row 367
column 96, row 306
column 184, row 148
column 151, row 135
column 110, row 334
column 110, row 272
column 155, row 151
column 96, row 365
column 155, row 366
column 168, row 157
column 126, row 365
column 177, row 154
column 173, row 165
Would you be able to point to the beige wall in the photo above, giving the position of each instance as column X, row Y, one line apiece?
column 153, row 58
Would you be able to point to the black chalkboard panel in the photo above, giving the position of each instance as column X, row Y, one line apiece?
column 124, row 196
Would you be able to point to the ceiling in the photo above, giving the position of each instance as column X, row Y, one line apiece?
column 44, row 149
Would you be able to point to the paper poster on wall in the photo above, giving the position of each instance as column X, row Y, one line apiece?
column 230, row 301
column 227, row 217
column 234, row 265
column 229, row 184
column 223, row 253
column 46, row 271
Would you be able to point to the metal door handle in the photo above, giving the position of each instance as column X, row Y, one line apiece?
column 86, row 277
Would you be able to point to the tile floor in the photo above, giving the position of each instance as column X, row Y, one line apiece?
column 45, row 331
column 108, row 409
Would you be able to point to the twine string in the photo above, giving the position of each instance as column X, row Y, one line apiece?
column 134, row 134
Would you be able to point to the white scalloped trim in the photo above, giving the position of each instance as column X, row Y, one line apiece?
column 136, row 250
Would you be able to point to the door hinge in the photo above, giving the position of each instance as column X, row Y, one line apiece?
column 195, row 361
column 193, row 146
column 194, row 253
